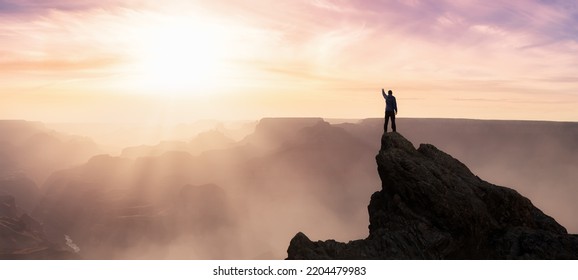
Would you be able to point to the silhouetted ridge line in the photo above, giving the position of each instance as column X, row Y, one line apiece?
column 431, row 206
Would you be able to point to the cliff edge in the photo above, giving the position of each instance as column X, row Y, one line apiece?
column 431, row 206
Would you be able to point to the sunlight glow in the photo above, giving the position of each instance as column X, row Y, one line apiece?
column 254, row 59
column 180, row 57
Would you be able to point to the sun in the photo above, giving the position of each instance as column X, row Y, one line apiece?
column 180, row 57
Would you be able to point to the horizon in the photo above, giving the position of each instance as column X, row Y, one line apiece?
column 180, row 61
column 257, row 120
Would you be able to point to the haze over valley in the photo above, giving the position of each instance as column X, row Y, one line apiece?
column 216, row 195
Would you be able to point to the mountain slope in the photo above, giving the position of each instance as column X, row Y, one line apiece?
column 431, row 206
column 36, row 151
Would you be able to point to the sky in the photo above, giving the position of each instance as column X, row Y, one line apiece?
column 179, row 61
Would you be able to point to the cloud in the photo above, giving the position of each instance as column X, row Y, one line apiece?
column 460, row 47
column 60, row 65
column 41, row 7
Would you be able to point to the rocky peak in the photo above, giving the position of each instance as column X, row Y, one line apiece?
column 431, row 206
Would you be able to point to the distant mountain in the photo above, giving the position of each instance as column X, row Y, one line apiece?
column 150, row 207
column 314, row 160
column 270, row 133
column 32, row 149
column 141, row 212
column 204, row 141
column 22, row 188
column 23, row 237
column 244, row 199
column 431, row 206
column 264, row 175
column 112, row 138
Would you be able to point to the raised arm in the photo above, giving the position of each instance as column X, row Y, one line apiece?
column 383, row 93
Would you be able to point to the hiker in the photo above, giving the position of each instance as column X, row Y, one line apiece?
column 390, row 109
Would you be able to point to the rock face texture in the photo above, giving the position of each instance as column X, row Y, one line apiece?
column 431, row 206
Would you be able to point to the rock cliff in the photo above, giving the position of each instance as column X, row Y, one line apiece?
column 431, row 206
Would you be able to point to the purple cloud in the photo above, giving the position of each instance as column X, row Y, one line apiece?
column 39, row 7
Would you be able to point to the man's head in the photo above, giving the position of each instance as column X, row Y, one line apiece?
column 389, row 92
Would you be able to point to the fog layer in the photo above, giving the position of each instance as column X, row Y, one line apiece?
column 214, row 195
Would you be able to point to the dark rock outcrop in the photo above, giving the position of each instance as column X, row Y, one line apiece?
column 431, row 206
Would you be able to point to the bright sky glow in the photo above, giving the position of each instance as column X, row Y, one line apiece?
column 133, row 60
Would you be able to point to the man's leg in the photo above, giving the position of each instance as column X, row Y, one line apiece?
column 386, row 122
column 393, row 121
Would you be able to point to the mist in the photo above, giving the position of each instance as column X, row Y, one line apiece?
column 242, row 190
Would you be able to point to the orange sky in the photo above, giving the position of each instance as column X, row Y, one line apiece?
column 178, row 61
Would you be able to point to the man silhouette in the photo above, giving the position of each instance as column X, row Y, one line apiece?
column 390, row 109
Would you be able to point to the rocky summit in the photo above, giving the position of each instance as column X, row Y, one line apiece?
column 431, row 206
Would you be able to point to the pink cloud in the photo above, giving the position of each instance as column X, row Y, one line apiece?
column 28, row 8
column 455, row 47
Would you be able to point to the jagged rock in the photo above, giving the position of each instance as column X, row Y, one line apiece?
column 431, row 206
